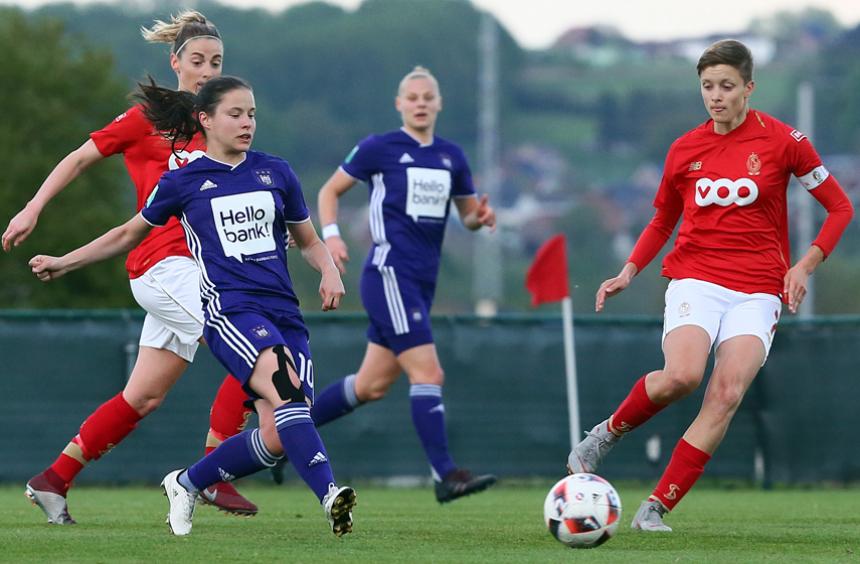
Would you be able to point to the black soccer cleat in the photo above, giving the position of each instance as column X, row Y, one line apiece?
column 461, row 482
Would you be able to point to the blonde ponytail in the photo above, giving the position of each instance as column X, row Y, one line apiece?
column 181, row 28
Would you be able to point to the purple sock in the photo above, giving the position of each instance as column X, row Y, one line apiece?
column 335, row 401
column 303, row 446
column 238, row 456
column 428, row 416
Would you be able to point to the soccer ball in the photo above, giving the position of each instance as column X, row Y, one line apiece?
column 582, row 510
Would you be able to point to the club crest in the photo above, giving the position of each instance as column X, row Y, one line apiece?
column 264, row 177
column 753, row 165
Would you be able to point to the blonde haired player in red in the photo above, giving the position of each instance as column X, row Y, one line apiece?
column 729, row 269
column 164, row 279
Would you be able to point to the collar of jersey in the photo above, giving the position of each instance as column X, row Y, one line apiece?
column 420, row 144
column 228, row 165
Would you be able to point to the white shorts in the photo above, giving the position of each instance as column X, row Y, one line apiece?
column 723, row 313
column 170, row 294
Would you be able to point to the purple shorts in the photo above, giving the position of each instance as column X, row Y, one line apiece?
column 236, row 339
column 398, row 308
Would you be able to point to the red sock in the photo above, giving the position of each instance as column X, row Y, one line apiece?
column 228, row 415
column 105, row 428
column 685, row 467
column 637, row 408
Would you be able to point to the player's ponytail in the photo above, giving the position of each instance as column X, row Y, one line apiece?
column 181, row 29
column 170, row 111
column 176, row 113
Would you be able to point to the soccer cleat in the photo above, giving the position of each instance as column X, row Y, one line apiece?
column 224, row 496
column 589, row 452
column 461, row 482
column 181, row 504
column 49, row 498
column 338, row 504
column 650, row 517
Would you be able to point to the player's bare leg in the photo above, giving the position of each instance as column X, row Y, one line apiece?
column 686, row 351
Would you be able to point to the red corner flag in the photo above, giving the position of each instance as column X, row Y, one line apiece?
column 547, row 276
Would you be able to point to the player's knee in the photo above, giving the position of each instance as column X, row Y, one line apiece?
column 287, row 386
column 677, row 383
column 269, row 435
column 726, row 395
column 375, row 390
column 144, row 405
column 432, row 375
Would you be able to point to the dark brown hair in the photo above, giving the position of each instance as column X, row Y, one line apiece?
column 728, row 52
column 175, row 113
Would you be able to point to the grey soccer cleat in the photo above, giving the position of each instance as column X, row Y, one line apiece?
column 650, row 517
column 589, row 452
column 49, row 499
column 181, row 502
column 338, row 504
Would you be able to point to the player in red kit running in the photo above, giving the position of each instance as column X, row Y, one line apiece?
column 164, row 280
column 729, row 270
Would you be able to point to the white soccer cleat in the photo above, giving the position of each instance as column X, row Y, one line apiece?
column 338, row 504
column 650, row 517
column 590, row 451
column 181, row 502
column 53, row 504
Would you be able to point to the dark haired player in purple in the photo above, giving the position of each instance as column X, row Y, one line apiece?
column 236, row 206
column 412, row 176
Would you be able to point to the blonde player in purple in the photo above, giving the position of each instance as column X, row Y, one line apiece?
column 236, row 207
column 413, row 176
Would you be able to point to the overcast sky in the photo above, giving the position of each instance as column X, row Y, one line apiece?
column 536, row 23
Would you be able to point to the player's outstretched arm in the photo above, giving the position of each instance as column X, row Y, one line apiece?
column 317, row 255
column 68, row 169
column 118, row 240
column 476, row 213
column 327, row 203
column 614, row 285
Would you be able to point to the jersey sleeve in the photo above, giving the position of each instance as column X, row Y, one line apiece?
column 295, row 208
column 163, row 203
column 363, row 161
column 670, row 205
column 462, row 180
column 122, row 132
column 667, row 195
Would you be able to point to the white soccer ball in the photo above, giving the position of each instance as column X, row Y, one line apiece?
column 582, row 510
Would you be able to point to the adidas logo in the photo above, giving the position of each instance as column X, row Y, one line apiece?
column 318, row 458
column 208, row 185
column 226, row 476
column 406, row 158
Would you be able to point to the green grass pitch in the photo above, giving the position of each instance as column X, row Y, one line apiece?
column 406, row 525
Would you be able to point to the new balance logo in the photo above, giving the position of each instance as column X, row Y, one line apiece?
column 226, row 476
column 318, row 458
column 406, row 158
column 208, row 185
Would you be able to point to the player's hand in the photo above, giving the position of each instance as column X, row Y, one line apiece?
column 331, row 289
column 47, row 268
column 19, row 228
column 485, row 215
column 614, row 285
column 338, row 251
column 794, row 286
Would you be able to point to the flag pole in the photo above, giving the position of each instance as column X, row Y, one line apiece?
column 570, row 370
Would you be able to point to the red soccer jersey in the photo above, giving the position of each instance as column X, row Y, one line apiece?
column 147, row 156
column 732, row 192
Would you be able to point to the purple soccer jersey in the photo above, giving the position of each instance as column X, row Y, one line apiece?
column 411, row 186
column 235, row 219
